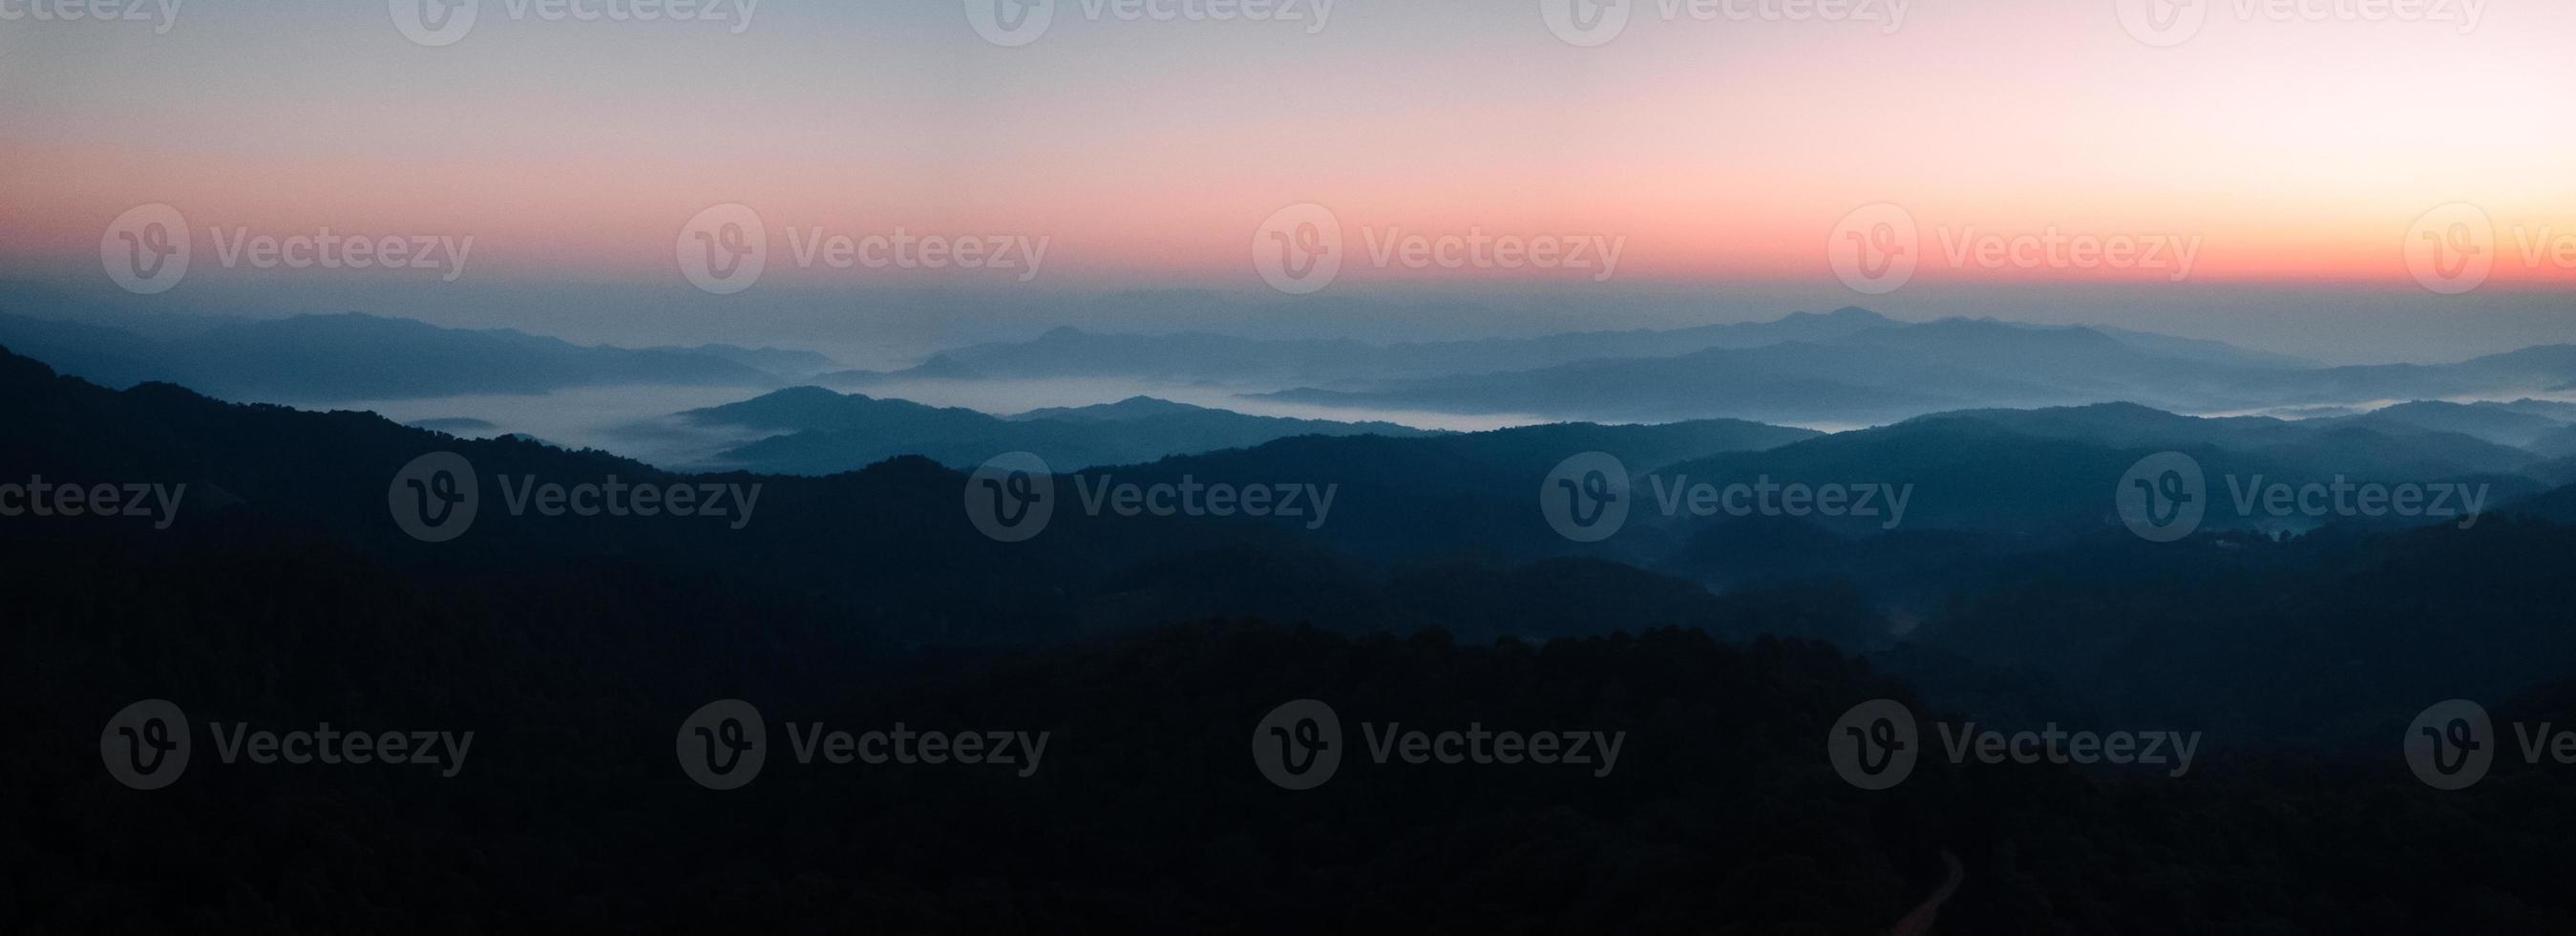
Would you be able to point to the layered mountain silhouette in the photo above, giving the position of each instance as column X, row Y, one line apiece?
column 920, row 566
column 1851, row 367
column 1885, row 374
column 351, row 356
column 823, row 432
column 1221, row 359
column 1993, row 493
column 1438, row 596
column 2519, row 423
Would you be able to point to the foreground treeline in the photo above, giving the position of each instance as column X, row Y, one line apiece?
column 284, row 597
column 1147, row 812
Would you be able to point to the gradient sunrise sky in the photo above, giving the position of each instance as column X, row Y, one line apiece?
column 1722, row 151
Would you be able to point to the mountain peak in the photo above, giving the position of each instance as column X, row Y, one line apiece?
column 1134, row 407
column 807, row 393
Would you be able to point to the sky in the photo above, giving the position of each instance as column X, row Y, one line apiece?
column 2353, row 179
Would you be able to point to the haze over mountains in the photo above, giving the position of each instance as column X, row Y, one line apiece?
column 1883, row 374
column 1850, row 367
column 1845, row 369
column 2008, row 593
column 822, row 432
column 361, row 357
column 1988, row 489
column 1173, row 467
column 1446, row 530
column 1188, row 357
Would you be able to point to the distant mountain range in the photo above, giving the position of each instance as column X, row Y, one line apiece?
column 823, row 432
column 326, row 358
column 1220, row 359
column 1843, row 369
column 2525, row 424
column 881, row 557
column 2005, row 557
column 1885, row 374
column 1849, row 367
column 1980, row 481
column 2010, row 598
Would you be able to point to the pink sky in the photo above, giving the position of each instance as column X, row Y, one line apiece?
column 2294, row 151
